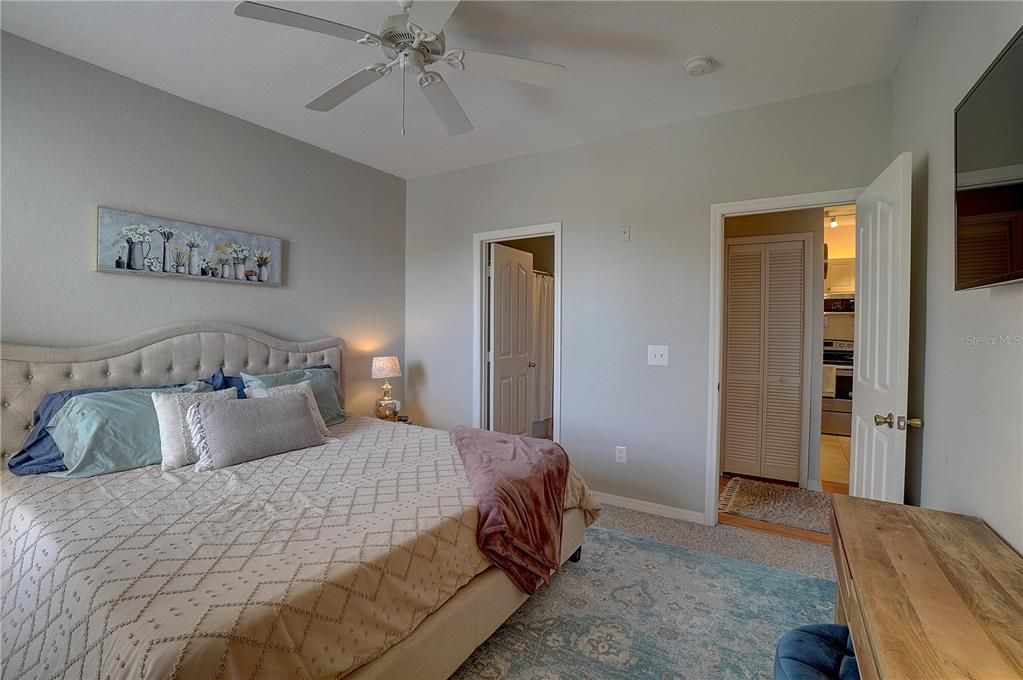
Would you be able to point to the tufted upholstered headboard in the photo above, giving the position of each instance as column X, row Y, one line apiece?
column 176, row 353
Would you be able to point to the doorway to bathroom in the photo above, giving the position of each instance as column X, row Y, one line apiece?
column 517, row 334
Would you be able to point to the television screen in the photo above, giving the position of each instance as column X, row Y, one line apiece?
column 989, row 175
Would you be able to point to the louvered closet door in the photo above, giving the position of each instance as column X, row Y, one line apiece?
column 783, row 360
column 742, row 417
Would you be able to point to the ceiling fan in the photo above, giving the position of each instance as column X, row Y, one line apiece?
column 411, row 40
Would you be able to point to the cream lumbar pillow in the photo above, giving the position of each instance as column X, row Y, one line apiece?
column 176, row 448
column 304, row 388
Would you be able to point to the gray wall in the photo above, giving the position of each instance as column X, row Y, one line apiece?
column 76, row 136
column 969, row 456
column 619, row 297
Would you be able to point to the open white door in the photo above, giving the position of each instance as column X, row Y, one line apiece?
column 881, row 370
column 511, row 339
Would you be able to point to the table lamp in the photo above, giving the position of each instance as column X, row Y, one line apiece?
column 386, row 367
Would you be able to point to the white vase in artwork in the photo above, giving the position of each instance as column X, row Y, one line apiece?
column 168, row 264
column 193, row 262
column 225, row 270
column 264, row 272
column 239, row 271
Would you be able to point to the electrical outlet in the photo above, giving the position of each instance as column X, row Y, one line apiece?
column 657, row 355
column 624, row 233
column 620, row 454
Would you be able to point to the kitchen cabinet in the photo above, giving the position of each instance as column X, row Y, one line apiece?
column 841, row 276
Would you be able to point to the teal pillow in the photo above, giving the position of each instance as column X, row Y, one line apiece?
column 111, row 431
column 322, row 380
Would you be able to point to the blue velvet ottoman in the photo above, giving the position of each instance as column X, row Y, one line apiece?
column 819, row 652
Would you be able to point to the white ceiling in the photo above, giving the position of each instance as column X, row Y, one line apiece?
column 624, row 66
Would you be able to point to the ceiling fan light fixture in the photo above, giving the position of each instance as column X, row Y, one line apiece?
column 411, row 41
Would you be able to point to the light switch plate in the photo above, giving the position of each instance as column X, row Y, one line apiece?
column 657, row 355
column 624, row 233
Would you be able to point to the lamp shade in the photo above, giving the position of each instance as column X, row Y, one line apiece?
column 386, row 367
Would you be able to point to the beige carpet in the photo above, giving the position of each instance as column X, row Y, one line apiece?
column 785, row 505
column 770, row 550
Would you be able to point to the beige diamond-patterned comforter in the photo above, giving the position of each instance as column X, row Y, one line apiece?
column 303, row 565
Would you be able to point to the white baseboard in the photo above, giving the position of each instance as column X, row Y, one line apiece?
column 814, row 485
column 648, row 507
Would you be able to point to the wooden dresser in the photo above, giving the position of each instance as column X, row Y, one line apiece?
column 927, row 595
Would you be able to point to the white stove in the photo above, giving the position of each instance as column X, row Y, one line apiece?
column 836, row 403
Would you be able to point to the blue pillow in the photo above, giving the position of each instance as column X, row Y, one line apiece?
column 323, row 380
column 39, row 453
column 112, row 431
column 219, row 381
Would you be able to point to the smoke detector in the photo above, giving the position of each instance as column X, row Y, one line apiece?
column 697, row 66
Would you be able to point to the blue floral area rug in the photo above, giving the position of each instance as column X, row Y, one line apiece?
column 637, row 608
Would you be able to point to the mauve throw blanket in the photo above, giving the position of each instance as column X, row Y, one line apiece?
column 519, row 483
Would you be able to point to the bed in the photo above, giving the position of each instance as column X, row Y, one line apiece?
column 356, row 558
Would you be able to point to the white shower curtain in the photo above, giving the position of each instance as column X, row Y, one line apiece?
column 542, row 398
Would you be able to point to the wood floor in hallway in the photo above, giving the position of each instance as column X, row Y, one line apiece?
column 834, row 473
column 768, row 527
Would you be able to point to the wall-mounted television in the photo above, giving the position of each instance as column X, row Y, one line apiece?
column 989, row 175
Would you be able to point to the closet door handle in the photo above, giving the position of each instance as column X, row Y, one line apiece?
column 532, row 365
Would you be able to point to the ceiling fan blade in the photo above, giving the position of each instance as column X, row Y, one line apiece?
column 511, row 68
column 431, row 15
column 285, row 17
column 348, row 87
column 443, row 101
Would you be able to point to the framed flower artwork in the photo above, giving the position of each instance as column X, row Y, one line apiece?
column 133, row 243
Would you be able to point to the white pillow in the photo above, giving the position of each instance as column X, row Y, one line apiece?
column 176, row 449
column 304, row 388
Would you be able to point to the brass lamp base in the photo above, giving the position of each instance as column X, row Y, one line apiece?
column 386, row 407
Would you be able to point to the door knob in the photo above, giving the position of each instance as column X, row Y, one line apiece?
column 888, row 420
column 903, row 421
column 532, row 365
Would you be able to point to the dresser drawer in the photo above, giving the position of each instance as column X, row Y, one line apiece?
column 861, row 641
column 847, row 608
column 843, row 583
